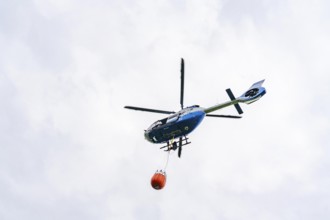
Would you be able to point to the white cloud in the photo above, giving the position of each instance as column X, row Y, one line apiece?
column 69, row 150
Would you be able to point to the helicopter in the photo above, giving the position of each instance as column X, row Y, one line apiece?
column 173, row 130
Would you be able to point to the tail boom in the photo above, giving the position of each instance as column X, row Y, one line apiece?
column 220, row 106
column 254, row 93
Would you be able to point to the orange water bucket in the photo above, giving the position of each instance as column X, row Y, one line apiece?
column 158, row 180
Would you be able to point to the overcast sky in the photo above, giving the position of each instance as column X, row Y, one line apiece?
column 68, row 149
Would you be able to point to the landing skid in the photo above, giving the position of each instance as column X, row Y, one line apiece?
column 174, row 144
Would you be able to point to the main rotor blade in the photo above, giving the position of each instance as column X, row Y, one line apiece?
column 223, row 116
column 182, row 83
column 149, row 110
column 180, row 147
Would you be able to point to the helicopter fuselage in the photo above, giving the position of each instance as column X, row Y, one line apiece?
column 176, row 125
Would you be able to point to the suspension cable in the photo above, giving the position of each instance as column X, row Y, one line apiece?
column 168, row 153
column 168, row 156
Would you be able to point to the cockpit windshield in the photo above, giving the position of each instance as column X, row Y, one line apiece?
column 157, row 123
column 194, row 106
column 164, row 121
column 172, row 118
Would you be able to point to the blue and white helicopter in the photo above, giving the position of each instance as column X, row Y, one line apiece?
column 174, row 129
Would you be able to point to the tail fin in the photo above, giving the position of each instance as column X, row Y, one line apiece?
column 254, row 93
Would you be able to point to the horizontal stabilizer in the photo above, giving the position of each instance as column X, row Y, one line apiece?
column 223, row 116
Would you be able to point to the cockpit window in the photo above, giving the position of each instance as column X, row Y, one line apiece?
column 158, row 123
column 164, row 121
column 172, row 118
